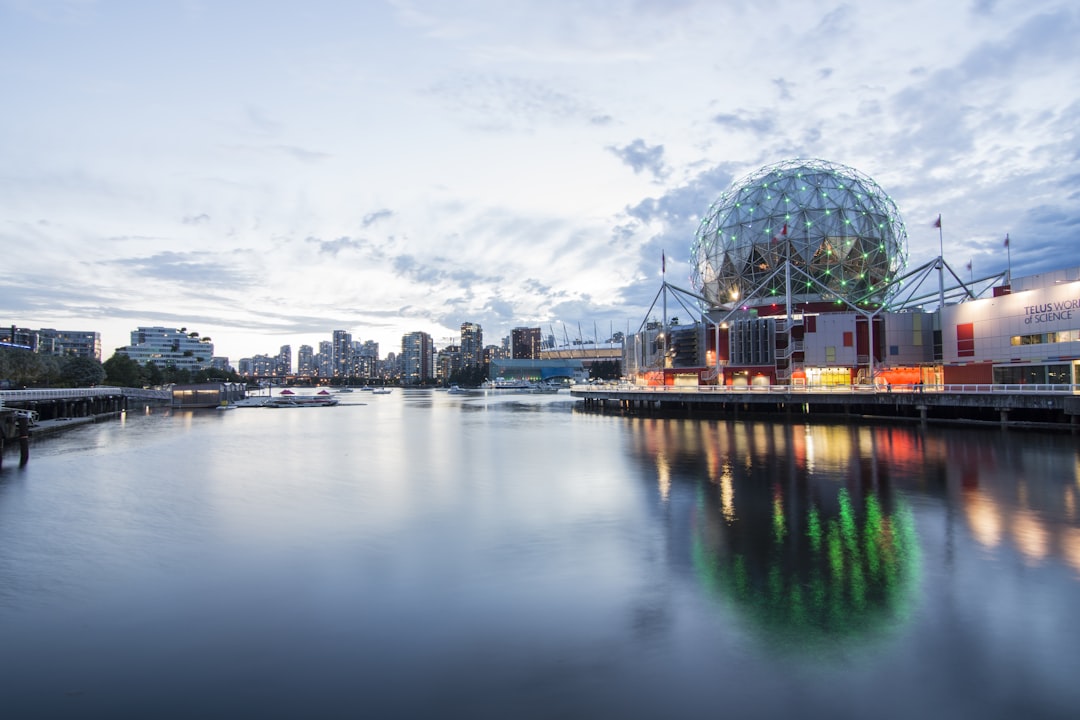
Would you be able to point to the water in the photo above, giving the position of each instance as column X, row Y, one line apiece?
column 432, row 555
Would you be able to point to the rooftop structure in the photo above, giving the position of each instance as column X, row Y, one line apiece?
column 840, row 230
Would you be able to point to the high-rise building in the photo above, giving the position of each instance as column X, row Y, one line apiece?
column 305, row 361
column 342, row 357
column 448, row 362
column 525, row 343
column 169, row 347
column 472, row 344
column 284, row 361
column 417, row 358
column 324, row 361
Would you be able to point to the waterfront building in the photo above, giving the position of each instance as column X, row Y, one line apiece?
column 47, row 341
column 801, row 273
column 206, row 395
column 169, row 347
column 264, row 366
column 305, row 361
column 1027, row 333
column 525, row 343
column 472, row 344
column 417, row 358
column 77, row 343
column 448, row 362
column 324, row 361
column 283, row 362
column 220, row 363
column 342, row 353
column 537, row 370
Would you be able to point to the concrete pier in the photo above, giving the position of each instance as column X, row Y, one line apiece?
column 25, row 414
column 1046, row 406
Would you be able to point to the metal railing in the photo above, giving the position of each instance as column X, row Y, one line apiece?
column 67, row 393
column 968, row 389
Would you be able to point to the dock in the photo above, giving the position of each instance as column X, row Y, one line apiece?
column 1036, row 406
column 25, row 414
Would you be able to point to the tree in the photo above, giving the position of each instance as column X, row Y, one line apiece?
column 152, row 375
column 81, row 372
column 122, row 371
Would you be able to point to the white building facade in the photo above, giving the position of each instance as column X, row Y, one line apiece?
column 169, row 347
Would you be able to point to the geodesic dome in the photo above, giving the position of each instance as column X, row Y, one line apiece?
column 843, row 234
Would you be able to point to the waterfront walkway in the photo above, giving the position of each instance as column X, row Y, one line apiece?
column 1016, row 405
column 31, row 413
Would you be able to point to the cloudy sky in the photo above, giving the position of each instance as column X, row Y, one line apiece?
column 265, row 172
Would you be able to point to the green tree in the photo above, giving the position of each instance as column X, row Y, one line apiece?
column 122, row 371
column 152, row 375
column 214, row 375
column 81, row 372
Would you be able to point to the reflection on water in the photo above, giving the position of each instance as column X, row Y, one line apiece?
column 482, row 555
column 808, row 531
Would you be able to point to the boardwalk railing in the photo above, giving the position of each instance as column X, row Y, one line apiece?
column 67, row 393
column 970, row 389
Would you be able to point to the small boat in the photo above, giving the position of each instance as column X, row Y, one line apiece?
column 504, row 384
column 455, row 390
column 300, row 401
column 381, row 391
column 344, row 389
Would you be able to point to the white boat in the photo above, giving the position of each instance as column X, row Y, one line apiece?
column 455, row 390
column 290, row 399
column 381, row 391
column 300, row 401
column 504, row 384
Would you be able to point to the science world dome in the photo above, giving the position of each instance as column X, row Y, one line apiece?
column 841, row 231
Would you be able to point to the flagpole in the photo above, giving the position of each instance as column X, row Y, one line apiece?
column 664, row 327
column 1008, row 253
column 941, row 264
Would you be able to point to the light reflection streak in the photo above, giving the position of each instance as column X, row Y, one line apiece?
column 839, row 545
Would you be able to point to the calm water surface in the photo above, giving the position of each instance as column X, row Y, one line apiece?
column 431, row 555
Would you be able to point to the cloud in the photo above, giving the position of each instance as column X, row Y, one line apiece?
column 372, row 218
column 333, row 247
column 505, row 102
column 642, row 157
column 757, row 123
column 196, row 219
column 198, row 269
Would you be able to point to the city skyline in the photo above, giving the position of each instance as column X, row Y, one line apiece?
column 266, row 173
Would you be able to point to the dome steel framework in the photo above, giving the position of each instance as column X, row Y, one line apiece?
column 837, row 226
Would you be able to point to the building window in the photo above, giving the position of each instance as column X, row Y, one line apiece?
column 965, row 340
column 1051, row 337
column 849, row 339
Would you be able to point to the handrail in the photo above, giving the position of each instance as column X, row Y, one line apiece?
column 64, row 393
column 961, row 389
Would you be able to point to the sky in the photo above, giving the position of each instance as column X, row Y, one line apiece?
column 266, row 172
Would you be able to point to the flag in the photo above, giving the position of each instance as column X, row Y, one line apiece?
column 937, row 223
column 663, row 262
column 784, row 231
column 969, row 266
column 1006, row 240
